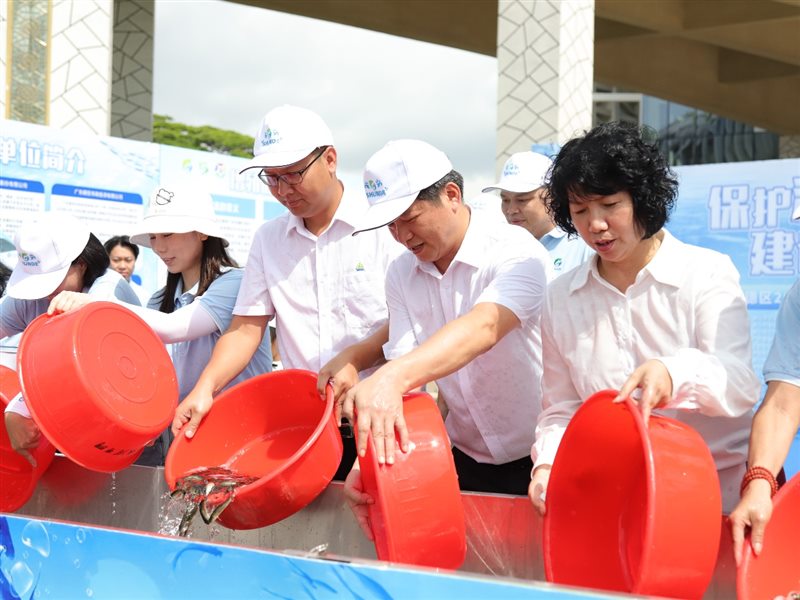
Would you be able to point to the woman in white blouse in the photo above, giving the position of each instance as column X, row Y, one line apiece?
column 648, row 315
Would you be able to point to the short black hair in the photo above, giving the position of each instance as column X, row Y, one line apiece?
column 5, row 273
column 124, row 241
column 431, row 193
column 95, row 257
column 611, row 158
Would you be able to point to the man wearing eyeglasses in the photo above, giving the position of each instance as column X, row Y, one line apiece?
column 324, row 286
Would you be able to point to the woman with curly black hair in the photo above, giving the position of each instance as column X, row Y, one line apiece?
column 659, row 320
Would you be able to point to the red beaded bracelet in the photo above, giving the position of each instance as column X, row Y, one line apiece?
column 759, row 473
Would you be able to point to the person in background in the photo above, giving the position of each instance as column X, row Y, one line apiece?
column 464, row 307
column 774, row 426
column 323, row 286
column 56, row 253
column 123, row 255
column 663, row 322
column 522, row 200
column 195, row 306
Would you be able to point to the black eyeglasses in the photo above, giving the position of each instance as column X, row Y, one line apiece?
column 293, row 178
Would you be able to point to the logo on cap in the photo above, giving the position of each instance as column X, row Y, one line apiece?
column 29, row 260
column 374, row 188
column 164, row 196
column 511, row 168
column 271, row 136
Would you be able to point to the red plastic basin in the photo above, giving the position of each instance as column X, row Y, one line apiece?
column 417, row 517
column 18, row 478
column 99, row 383
column 630, row 507
column 275, row 427
column 776, row 571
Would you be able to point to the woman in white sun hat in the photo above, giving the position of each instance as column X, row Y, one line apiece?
column 195, row 306
column 57, row 253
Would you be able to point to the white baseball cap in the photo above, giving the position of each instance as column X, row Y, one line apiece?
column 177, row 208
column 394, row 177
column 288, row 134
column 523, row 172
column 46, row 247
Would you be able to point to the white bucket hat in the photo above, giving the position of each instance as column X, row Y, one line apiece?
column 523, row 172
column 288, row 134
column 394, row 177
column 177, row 208
column 46, row 247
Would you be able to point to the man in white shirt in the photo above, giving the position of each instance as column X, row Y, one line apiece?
column 522, row 190
column 464, row 308
column 323, row 286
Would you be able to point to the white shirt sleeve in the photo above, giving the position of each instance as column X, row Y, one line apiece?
column 520, row 277
column 17, row 405
column 254, row 299
column 187, row 323
column 402, row 338
column 715, row 377
column 560, row 399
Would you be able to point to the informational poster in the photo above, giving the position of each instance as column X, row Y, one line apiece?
column 744, row 210
column 100, row 180
column 107, row 182
column 106, row 212
column 19, row 198
column 241, row 201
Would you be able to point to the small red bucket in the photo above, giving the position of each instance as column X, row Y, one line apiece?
column 274, row 427
column 632, row 507
column 99, row 383
column 417, row 517
column 776, row 571
column 17, row 477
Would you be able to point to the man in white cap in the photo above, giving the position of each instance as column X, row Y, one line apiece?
column 464, row 308
column 775, row 425
column 323, row 286
column 522, row 200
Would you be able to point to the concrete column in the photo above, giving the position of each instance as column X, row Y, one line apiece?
column 789, row 146
column 67, row 80
column 132, row 70
column 3, row 57
column 80, row 65
column 545, row 62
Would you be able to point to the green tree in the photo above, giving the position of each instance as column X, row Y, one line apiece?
column 211, row 139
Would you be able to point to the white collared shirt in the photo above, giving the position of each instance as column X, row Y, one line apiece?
column 494, row 399
column 686, row 309
column 326, row 292
column 566, row 252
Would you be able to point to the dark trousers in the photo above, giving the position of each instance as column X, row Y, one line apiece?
column 154, row 456
column 348, row 452
column 508, row 478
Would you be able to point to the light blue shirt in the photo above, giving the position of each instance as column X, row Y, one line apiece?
column 567, row 252
column 16, row 314
column 191, row 357
column 783, row 361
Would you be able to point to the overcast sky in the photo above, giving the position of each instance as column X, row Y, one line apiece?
column 225, row 64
